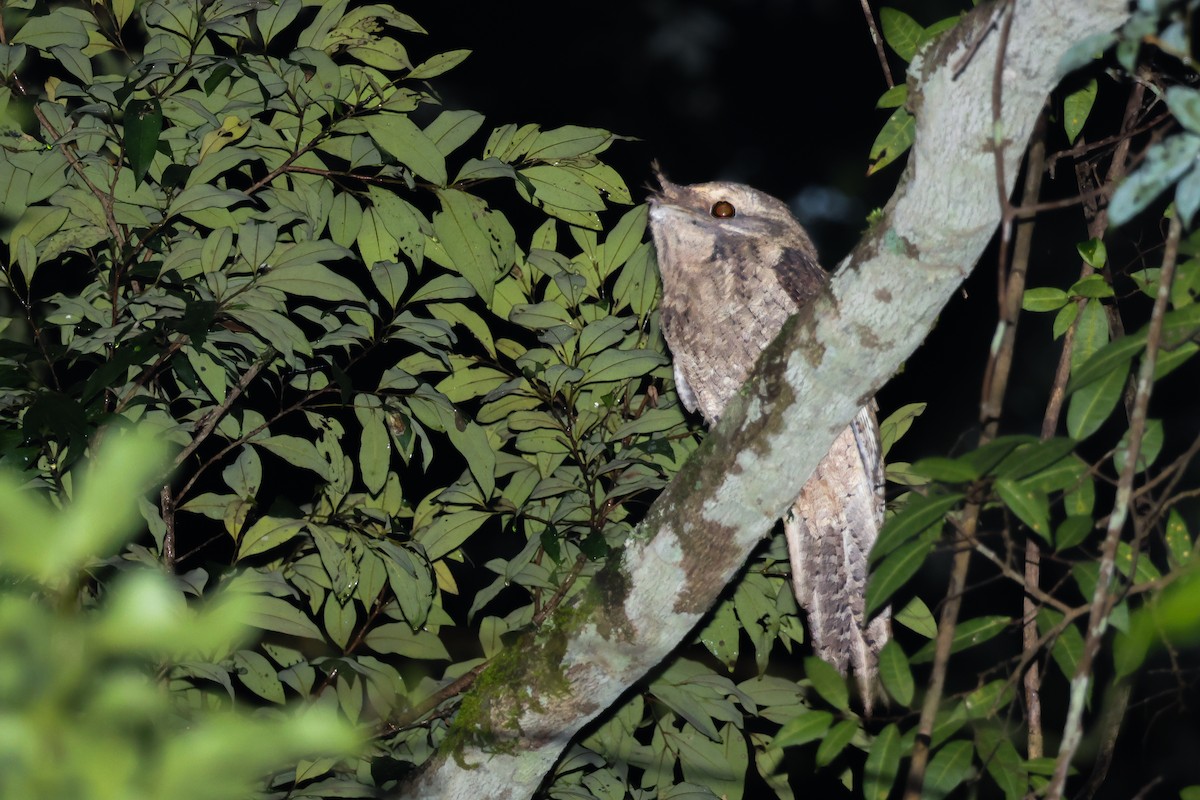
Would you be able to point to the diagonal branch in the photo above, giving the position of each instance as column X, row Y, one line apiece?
column 537, row 694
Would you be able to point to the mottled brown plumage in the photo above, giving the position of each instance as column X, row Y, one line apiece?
column 735, row 265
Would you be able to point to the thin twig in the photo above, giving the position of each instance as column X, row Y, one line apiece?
column 1103, row 599
column 962, row 558
column 878, row 40
column 214, row 416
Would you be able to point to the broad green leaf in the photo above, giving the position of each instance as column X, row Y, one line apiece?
column 1166, row 162
column 299, row 452
column 1090, row 406
column 451, row 129
column 201, row 198
column 883, row 762
column 1184, row 103
column 1076, row 108
column 828, row 682
column 1003, row 763
column 567, row 142
column 1094, row 252
column 458, row 227
column 258, row 675
column 1179, row 539
column 400, row 136
column 987, row 699
column 274, row 18
column 312, row 280
column 59, row 27
column 900, row 31
column 894, row 97
column 1091, row 333
column 894, row 139
column 560, row 188
column 244, row 475
column 917, row 617
column 1073, row 530
column 1092, row 286
column 721, row 635
column 895, row 674
column 835, row 741
column 949, row 767
column 946, row 470
column 436, row 65
column 399, row 638
column 143, row 124
column 447, row 533
column 266, row 533
column 340, row 620
column 1151, row 446
column 624, row 238
column 1045, row 298
column 896, row 569
column 968, row 634
column 802, row 729
column 1031, row 506
column 276, row 614
column 917, row 516
column 35, row 225
column 375, row 446
column 615, row 365
column 1032, row 458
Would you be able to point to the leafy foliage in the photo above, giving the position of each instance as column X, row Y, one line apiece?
column 408, row 368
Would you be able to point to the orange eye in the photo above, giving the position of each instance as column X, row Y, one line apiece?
column 723, row 209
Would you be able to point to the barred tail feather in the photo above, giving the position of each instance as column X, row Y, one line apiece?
column 830, row 530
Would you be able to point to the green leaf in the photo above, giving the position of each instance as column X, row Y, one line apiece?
column 624, row 239
column 802, row 729
column 1179, row 540
column 894, row 139
column 448, row 532
column 59, row 27
column 917, row 617
column 299, row 452
column 275, row 18
column 1045, row 298
column 399, row 638
column 895, row 570
column 946, row 470
column 900, row 31
column 894, row 97
column 883, row 762
column 835, row 741
column 968, row 634
column 1152, row 442
column 312, row 280
column 256, row 674
column 892, row 429
column 375, row 447
column 267, row 533
column 399, row 135
column 895, row 674
column 457, row 226
column 615, row 365
column 1094, row 252
column 1092, row 286
column 1166, row 162
column 949, row 767
column 722, row 634
column 917, row 516
column 1073, row 530
column 828, row 682
column 1090, row 406
column 143, row 124
column 276, row 614
column 436, row 65
column 1003, row 763
column 1031, row 506
column 568, row 141
column 451, row 129
column 1076, row 108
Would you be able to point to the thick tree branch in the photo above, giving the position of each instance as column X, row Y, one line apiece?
column 808, row 385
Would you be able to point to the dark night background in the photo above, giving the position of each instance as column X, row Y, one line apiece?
column 781, row 95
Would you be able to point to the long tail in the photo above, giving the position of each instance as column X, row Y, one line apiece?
column 830, row 530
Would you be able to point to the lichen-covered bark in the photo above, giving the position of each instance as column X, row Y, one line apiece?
column 808, row 386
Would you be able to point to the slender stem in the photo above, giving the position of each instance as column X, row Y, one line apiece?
column 1103, row 598
column 878, row 41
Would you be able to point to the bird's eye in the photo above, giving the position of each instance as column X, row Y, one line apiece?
column 723, row 209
